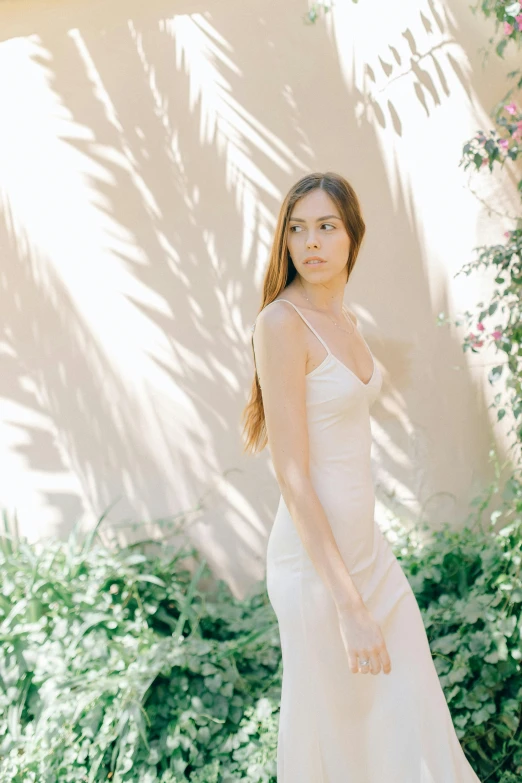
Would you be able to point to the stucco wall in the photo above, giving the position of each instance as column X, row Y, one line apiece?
column 144, row 152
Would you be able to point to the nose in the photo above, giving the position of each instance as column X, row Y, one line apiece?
column 312, row 241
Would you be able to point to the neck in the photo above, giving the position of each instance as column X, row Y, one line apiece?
column 323, row 296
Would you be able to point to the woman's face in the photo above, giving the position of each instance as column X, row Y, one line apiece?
column 315, row 228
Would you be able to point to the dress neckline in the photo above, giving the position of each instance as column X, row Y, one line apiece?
column 331, row 355
column 328, row 351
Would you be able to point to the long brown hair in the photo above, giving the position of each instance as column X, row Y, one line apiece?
column 281, row 271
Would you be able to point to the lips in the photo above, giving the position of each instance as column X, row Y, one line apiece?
column 312, row 261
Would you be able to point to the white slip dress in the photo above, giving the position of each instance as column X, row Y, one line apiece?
column 336, row 726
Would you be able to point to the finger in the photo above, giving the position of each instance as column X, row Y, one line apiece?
column 385, row 659
column 352, row 660
column 375, row 663
column 364, row 655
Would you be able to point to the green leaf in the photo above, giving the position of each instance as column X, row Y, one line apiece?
column 483, row 714
column 501, row 46
column 155, row 580
column 447, row 644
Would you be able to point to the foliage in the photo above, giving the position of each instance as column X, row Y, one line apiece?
column 114, row 666
column 508, row 18
column 505, row 260
column 500, row 145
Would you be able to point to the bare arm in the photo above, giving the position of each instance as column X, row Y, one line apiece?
column 280, row 351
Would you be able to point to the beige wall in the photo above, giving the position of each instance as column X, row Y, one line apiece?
column 144, row 152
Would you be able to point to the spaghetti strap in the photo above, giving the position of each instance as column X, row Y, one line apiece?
column 347, row 314
column 304, row 319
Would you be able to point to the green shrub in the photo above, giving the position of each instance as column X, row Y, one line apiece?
column 114, row 666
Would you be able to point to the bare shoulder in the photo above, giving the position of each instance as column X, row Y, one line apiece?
column 277, row 319
column 279, row 342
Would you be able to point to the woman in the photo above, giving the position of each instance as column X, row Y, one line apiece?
column 344, row 606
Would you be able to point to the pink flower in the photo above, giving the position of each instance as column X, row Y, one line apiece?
column 507, row 233
column 496, row 334
column 517, row 133
column 480, row 326
column 508, row 28
column 474, row 340
column 503, row 144
column 511, row 107
column 518, row 20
